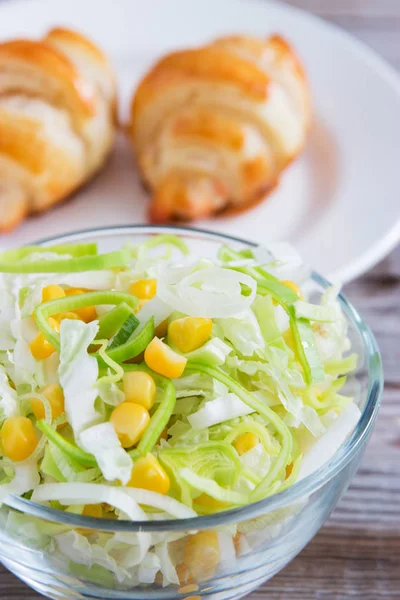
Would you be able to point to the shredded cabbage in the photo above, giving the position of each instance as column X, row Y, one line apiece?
column 102, row 441
column 89, row 493
column 219, row 410
column 8, row 397
column 78, row 374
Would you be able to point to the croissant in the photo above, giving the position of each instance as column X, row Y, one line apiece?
column 215, row 126
column 57, row 120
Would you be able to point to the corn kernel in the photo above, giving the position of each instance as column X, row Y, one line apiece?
column 139, row 387
column 202, row 555
column 87, row 313
column 55, row 396
column 237, row 542
column 67, row 315
column 73, row 291
column 188, row 589
column 289, row 339
column 189, row 333
column 294, row 287
column 129, row 420
column 54, row 324
column 209, row 502
column 245, row 442
column 18, row 438
column 148, row 474
column 93, row 510
column 163, row 360
column 52, row 292
column 184, row 575
column 40, row 347
column 145, row 289
column 289, row 469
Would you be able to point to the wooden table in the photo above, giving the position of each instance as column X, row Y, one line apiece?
column 357, row 554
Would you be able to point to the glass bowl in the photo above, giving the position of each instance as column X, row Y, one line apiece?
column 234, row 551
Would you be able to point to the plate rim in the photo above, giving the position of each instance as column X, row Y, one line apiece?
column 363, row 52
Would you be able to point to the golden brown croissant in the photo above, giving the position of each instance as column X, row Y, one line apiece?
column 215, row 126
column 57, row 120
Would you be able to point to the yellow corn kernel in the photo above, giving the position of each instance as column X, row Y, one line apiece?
column 87, row 313
column 55, row 396
column 18, row 438
column 189, row 588
column 40, row 347
column 163, row 360
column 209, row 502
column 139, row 387
column 54, row 324
column 189, row 333
column 289, row 339
column 52, row 292
column 129, row 420
column 202, row 555
column 93, row 510
column 184, row 576
column 148, row 474
column 245, row 442
column 294, row 287
column 237, row 542
column 67, row 315
column 145, row 289
column 289, row 469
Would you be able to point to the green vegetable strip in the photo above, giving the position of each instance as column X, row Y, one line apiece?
column 293, row 475
column 49, row 466
column 134, row 346
column 168, row 239
column 119, row 258
column 75, row 250
column 70, row 303
column 83, row 458
column 111, row 364
column 263, row 308
column 327, row 399
column 342, row 366
column 306, row 349
column 111, row 322
column 279, row 291
column 303, row 335
column 259, row 430
column 249, row 399
column 159, row 420
column 123, row 335
column 162, row 415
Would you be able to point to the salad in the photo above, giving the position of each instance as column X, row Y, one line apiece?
column 151, row 383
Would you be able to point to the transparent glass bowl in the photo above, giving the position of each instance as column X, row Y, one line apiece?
column 254, row 542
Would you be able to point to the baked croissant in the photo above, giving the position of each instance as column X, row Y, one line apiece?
column 57, row 120
column 215, row 126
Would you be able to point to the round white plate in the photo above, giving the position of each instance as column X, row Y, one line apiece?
column 338, row 203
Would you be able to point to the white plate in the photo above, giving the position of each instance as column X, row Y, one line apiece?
column 339, row 203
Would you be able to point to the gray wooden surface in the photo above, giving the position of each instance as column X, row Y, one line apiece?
column 357, row 553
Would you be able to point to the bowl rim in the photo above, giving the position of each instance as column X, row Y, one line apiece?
column 298, row 490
